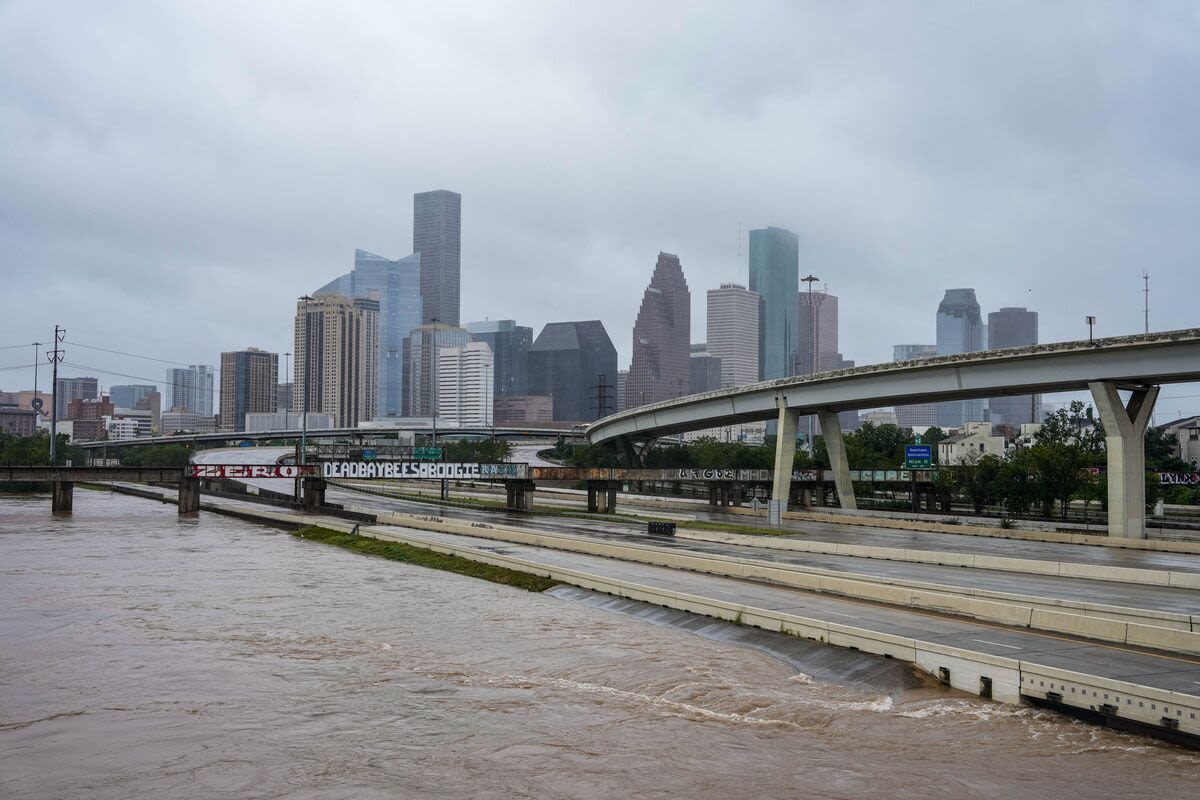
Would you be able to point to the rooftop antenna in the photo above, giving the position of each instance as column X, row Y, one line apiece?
column 1146, row 296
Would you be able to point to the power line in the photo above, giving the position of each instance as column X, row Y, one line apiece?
column 18, row 366
column 111, row 372
column 15, row 346
column 122, row 353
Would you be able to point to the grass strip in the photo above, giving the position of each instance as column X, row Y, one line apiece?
column 419, row 556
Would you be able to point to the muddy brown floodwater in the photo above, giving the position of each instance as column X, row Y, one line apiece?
column 144, row 656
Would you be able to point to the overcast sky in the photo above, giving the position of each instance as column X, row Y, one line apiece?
column 173, row 176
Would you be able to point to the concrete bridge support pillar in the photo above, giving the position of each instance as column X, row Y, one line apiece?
column 314, row 494
column 62, row 497
column 610, row 499
column 831, row 429
column 519, row 495
column 734, row 495
column 593, row 499
column 189, row 496
column 785, row 454
column 1125, row 430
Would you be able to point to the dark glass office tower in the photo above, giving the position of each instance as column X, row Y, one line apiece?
column 1013, row 327
column 567, row 361
column 510, row 345
column 437, row 230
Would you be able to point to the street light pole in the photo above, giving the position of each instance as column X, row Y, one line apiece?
column 304, row 401
column 810, row 279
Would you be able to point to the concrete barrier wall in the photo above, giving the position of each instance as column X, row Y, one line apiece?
column 1129, row 700
column 1149, row 577
column 931, row 597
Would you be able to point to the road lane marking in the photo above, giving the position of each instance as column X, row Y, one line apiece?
column 836, row 614
column 997, row 644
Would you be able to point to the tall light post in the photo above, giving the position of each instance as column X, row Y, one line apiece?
column 36, row 404
column 810, row 279
column 287, row 371
column 306, row 299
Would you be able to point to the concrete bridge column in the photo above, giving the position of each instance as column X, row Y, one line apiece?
column 519, row 495
column 835, row 446
column 733, row 495
column 1124, row 431
column 314, row 494
column 610, row 498
column 785, row 455
column 593, row 505
column 62, row 497
column 189, row 495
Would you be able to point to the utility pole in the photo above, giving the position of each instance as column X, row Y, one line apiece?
column 1146, row 295
column 54, row 356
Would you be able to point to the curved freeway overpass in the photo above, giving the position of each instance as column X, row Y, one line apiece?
column 1139, row 364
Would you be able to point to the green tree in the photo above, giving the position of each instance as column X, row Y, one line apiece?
column 980, row 479
column 1015, row 483
column 932, row 436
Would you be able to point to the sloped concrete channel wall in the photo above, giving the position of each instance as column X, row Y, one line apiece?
column 1007, row 680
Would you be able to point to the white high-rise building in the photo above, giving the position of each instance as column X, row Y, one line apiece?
column 733, row 333
column 464, row 384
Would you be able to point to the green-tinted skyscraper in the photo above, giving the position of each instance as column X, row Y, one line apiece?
column 775, row 275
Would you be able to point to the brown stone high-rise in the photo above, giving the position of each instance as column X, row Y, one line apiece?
column 662, row 334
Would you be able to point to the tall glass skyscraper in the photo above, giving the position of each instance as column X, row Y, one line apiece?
column 775, row 276
column 437, row 231
column 398, row 284
column 960, row 329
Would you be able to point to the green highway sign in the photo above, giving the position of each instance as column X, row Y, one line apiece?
column 918, row 456
column 427, row 452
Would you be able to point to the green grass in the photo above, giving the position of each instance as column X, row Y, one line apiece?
column 419, row 556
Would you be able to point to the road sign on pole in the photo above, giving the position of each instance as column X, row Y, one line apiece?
column 918, row 456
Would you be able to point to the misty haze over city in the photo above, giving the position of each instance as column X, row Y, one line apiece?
column 175, row 176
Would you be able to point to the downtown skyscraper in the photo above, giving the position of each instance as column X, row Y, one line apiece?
column 337, row 358
column 510, row 345
column 775, row 276
column 437, row 234
column 249, row 379
column 191, row 389
column 1013, row 327
column 817, row 315
column 397, row 286
column 660, row 368
column 960, row 329
column 733, row 330
column 569, row 361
